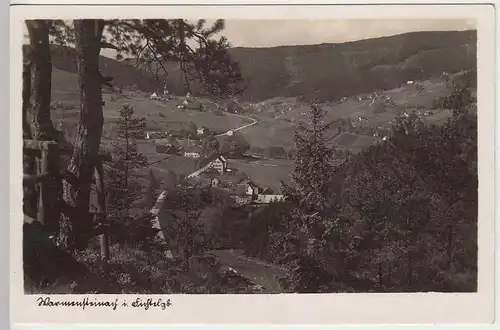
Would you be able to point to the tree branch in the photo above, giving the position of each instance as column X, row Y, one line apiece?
column 107, row 45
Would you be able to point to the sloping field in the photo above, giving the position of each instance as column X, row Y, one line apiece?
column 159, row 115
column 353, row 141
column 267, row 173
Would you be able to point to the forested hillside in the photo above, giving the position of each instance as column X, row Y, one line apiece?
column 324, row 72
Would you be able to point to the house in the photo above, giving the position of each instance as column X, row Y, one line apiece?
column 410, row 82
column 267, row 195
column 202, row 131
column 252, row 189
column 266, row 199
column 219, row 164
column 193, row 151
column 239, row 194
column 214, row 162
column 153, row 96
column 155, row 135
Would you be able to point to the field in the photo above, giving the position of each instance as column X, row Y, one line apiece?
column 159, row 115
column 276, row 120
column 265, row 173
column 276, row 129
column 354, row 142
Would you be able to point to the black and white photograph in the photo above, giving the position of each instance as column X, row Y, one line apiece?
column 221, row 156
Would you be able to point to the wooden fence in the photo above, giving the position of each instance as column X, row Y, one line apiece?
column 49, row 179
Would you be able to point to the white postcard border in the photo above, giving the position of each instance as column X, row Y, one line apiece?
column 283, row 308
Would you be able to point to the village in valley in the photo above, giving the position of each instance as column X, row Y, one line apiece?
column 212, row 169
column 256, row 170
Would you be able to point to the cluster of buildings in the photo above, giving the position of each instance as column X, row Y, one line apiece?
column 248, row 192
column 190, row 103
column 161, row 97
column 218, row 174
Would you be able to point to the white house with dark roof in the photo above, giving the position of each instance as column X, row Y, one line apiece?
column 252, row 189
column 219, row 164
column 193, row 151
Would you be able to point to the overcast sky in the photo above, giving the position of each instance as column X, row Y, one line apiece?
column 269, row 33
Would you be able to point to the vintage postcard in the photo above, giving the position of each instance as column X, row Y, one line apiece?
column 252, row 164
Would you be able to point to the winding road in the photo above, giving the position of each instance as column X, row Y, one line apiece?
column 254, row 121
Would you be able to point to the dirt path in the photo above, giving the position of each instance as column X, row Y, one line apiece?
column 259, row 272
column 254, row 121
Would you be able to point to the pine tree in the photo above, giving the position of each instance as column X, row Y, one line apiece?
column 313, row 165
column 210, row 145
column 123, row 188
column 312, row 219
column 199, row 49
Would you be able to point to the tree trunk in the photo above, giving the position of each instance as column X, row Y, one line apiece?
column 26, row 100
column 101, row 203
column 30, row 192
column 76, row 224
column 37, row 124
column 38, row 110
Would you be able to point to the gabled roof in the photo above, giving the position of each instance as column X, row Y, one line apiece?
column 267, row 190
column 251, row 183
column 210, row 158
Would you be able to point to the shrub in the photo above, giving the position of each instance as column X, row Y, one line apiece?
column 275, row 152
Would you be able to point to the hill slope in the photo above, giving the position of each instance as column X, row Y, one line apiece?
column 330, row 71
column 323, row 72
